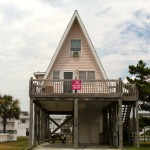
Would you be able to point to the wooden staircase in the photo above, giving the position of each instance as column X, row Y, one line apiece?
column 126, row 110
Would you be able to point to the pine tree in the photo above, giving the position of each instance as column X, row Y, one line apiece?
column 142, row 80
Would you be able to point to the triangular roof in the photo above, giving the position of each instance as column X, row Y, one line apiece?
column 75, row 16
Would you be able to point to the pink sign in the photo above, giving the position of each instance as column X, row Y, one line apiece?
column 76, row 84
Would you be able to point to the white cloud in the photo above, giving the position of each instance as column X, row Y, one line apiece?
column 31, row 30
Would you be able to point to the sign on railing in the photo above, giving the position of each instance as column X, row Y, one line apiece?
column 76, row 84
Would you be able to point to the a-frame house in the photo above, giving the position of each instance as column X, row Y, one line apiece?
column 76, row 84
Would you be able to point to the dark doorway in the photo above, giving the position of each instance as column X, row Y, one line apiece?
column 68, row 76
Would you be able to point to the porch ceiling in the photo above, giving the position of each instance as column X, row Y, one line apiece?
column 57, row 105
column 67, row 106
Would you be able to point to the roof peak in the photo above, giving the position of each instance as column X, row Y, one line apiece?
column 75, row 16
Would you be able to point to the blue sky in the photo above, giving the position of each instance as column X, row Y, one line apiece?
column 31, row 30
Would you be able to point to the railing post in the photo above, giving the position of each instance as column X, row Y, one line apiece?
column 31, row 124
column 30, row 86
column 120, row 124
column 120, row 85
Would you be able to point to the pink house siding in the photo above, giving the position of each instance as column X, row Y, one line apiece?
column 85, row 62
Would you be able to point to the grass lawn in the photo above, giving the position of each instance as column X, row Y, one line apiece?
column 20, row 144
column 143, row 146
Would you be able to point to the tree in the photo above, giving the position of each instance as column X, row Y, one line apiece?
column 9, row 109
column 144, row 121
column 142, row 80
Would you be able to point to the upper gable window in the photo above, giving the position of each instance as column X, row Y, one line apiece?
column 75, row 45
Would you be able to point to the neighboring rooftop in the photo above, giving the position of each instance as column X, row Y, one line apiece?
column 144, row 114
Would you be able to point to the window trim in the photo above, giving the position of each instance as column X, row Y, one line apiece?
column 75, row 39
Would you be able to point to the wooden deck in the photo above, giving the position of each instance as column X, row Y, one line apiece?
column 90, row 89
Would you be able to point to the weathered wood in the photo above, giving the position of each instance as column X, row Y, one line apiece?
column 133, row 125
column 31, row 124
column 47, row 126
column 110, row 125
column 76, row 124
column 35, row 124
column 60, row 112
column 52, row 120
column 39, row 126
column 113, row 123
column 30, row 85
column 93, row 99
column 89, row 88
column 81, row 95
column 115, row 126
column 59, row 126
column 95, row 91
column 120, row 125
column 105, row 126
column 42, row 126
column 137, row 126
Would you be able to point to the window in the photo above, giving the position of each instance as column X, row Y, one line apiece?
column 56, row 75
column 82, row 75
column 87, row 75
column 75, row 45
column 23, row 121
column 91, row 75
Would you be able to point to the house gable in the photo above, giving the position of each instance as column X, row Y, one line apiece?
column 88, row 59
